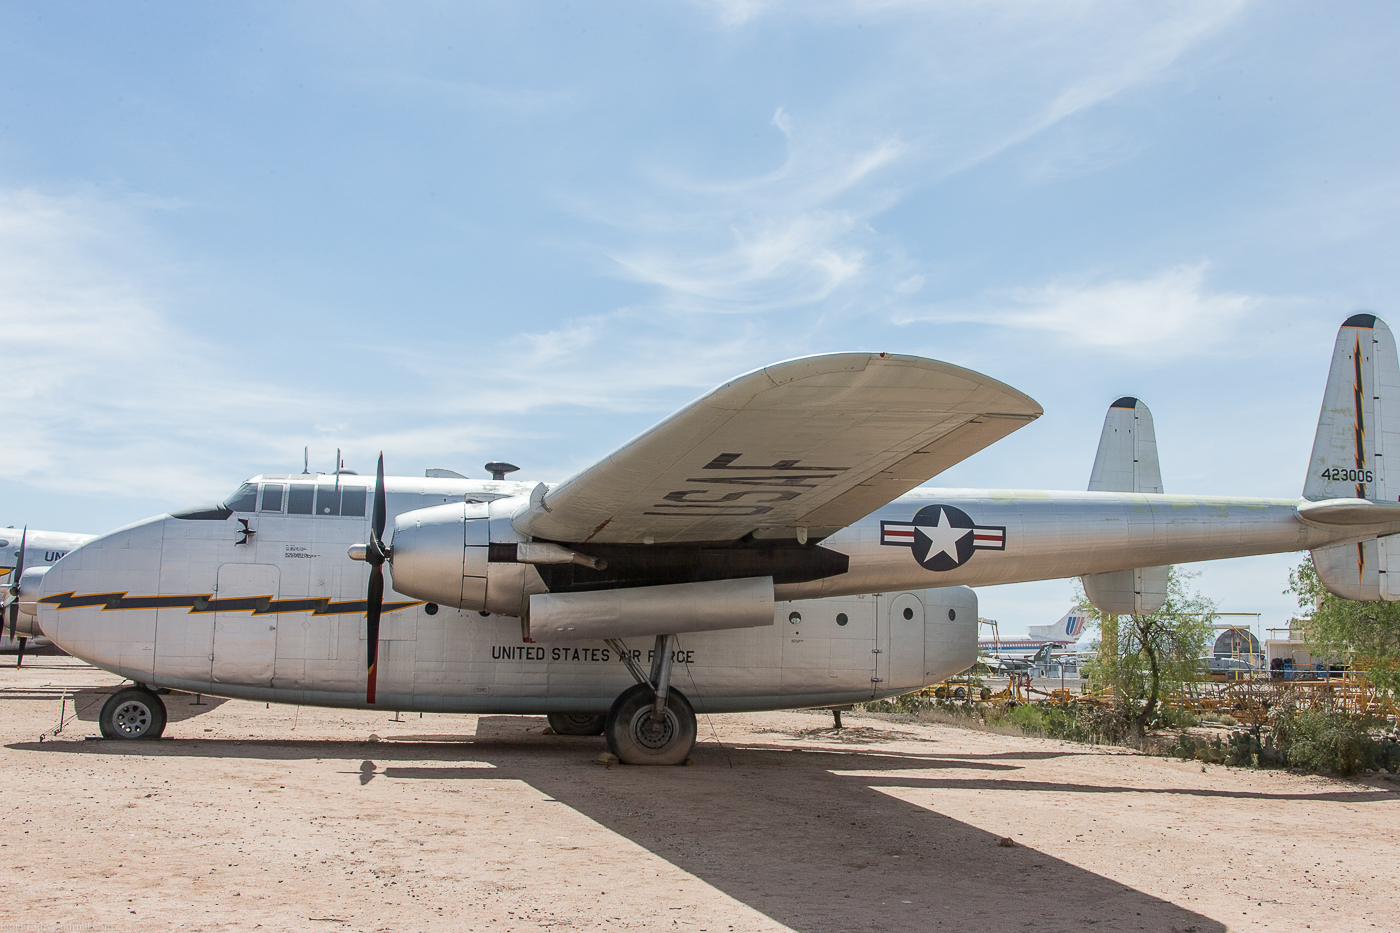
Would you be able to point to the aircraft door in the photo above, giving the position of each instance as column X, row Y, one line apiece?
column 901, row 657
column 245, row 642
column 1388, row 551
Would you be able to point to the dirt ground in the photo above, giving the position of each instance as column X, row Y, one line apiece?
column 286, row 818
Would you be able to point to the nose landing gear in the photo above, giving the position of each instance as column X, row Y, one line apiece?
column 650, row 723
column 133, row 713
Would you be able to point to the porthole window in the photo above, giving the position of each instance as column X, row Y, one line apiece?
column 841, row 618
column 795, row 618
column 431, row 609
column 908, row 613
column 952, row 615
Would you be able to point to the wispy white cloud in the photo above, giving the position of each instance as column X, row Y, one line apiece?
column 105, row 393
column 1167, row 313
column 805, row 233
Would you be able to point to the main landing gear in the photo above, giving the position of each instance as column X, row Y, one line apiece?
column 132, row 713
column 650, row 723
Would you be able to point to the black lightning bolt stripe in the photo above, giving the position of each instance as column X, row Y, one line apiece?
column 1360, row 420
column 205, row 602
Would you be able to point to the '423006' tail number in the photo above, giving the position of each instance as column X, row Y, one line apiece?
column 1338, row 474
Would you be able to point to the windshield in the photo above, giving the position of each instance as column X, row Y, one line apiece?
column 244, row 500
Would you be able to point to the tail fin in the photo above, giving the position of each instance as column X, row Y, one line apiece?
column 1127, row 462
column 1358, row 427
column 1360, row 416
column 1127, row 457
column 1068, row 629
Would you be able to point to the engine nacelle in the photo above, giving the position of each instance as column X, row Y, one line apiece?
column 652, row 610
column 27, row 624
column 442, row 555
column 439, row 554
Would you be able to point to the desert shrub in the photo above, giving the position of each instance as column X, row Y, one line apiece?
column 908, row 703
column 1323, row 740
column 1239, row 749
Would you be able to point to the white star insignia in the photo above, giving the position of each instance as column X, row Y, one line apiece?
column 942, row 537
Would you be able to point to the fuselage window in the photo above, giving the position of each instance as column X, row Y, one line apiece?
column 272, row 497
column 352, row 501
column 245, row 500
column 327, row 500
column 299, row 499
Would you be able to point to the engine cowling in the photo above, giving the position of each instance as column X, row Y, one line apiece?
column 439, row 554
column 27, row 624
column 442, row 555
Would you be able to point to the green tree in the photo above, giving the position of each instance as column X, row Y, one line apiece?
column 1145, row 657
column 1366, row 632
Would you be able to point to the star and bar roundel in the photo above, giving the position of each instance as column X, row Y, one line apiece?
column 942, row 537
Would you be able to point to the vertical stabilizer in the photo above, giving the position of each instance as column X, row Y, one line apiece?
column 1127, row 457
column 1360, row 416
column 1359, row 425
column 1068, row 629
column 1127, row 462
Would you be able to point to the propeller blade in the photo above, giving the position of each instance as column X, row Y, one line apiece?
column 375, row 555
column 19, row 658
column 374, row 604
column 380, row 507
column 19, row 565
column 14, row 582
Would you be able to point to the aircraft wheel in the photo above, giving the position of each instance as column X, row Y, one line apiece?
column 578, row 723
column 637, row 739
column 133, row 713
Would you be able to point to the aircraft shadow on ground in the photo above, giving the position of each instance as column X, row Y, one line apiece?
column 87, row 704
column 788, row 831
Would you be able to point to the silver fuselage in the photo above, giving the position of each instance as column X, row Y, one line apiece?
column 279, row 615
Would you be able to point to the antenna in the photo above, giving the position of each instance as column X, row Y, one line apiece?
column 499, row 470
column 338, row 464
column 305, row 460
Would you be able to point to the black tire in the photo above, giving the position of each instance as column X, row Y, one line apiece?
column 578, row 723
column 133, row 713
column 636, row 739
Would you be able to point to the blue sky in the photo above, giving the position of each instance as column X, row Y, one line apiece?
column 528, row 231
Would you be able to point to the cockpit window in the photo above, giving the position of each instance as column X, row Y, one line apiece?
column 245, row 500
column 272, row 497
column 327, row 500
column 352, row 501
column 299, row 499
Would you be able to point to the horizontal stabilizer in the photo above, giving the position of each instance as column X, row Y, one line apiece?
column 1350, row 512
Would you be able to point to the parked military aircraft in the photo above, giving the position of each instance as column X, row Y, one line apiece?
column 22, row 549
column 794, row 482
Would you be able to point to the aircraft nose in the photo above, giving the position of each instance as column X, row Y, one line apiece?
column 91, row 603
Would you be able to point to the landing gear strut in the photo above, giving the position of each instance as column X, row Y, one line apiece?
column 650, row 723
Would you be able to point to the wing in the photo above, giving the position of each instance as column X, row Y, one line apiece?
column 814, row 443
